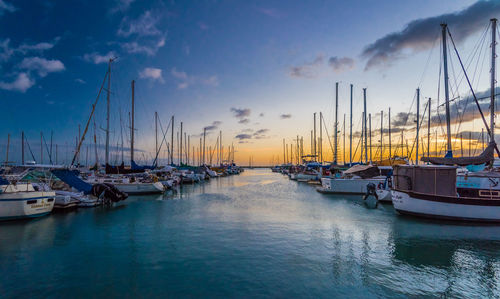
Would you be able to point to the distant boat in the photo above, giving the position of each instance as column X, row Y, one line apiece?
column 355, row 179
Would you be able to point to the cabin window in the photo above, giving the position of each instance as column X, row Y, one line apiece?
column 488, row 193
column 50, row 200
column 30, row 202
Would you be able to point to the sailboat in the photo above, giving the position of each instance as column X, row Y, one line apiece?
column 431, row 190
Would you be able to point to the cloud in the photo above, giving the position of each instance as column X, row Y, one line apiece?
column 261, row 114
column 22, row 83
column 285, row 116
column 97, row 58
column 42, row 65
column 341, row 64
column 149, row 49
column 121, row 5
column 261, row 134
column 145, row 25
column 81, row 81
column 185, row 80
column 307, row 70
column 420, row 34
column 240, row 113
column 244, row 121
column 243, row 136
column 151, row 73
column 6, row 7
column 214, row 126
column 6, row 52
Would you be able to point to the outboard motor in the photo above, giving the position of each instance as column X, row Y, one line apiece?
column 371, row 197
column 108, row 193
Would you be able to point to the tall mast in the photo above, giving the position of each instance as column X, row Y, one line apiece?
column 156, row 133
column 381, row 135
column 314, row 137
column 132, row 123
column 418, row 122
column 335, row 146
column 320, row 137
column 204, row 136
column 350, row 133
column 188, row 146
column 449, row 153
column 108, row 92
column 7, row 153
column 492, row 88
column 284, row 152
column 172, row 144
column 95, row 146
column 429, row 129
column 344, row 141
column 41, row 148
column 180, row 147
column 390, row 150
column 364, row 116
column 370, row 134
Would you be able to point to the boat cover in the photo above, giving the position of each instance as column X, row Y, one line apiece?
column 110, row 169
column 487, row 156
column 134, row 166
column 3, row 181
column 71, row 178
column 364, row 171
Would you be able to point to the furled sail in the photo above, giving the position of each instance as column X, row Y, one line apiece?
column 487, row 156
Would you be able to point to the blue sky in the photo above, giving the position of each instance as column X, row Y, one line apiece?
column 199, row 59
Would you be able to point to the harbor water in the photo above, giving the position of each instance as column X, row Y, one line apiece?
column 256, row 234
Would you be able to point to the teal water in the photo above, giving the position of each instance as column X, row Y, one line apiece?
column 253, row 235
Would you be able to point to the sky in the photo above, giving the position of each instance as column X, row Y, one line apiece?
column 255, row 70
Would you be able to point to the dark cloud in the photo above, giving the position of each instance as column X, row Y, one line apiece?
column 285, row 116
column 261, row 134
column 420, row 34
column 341, row 64
column 215, row 125
column 244, row 121
column 261, row 114
column 243, row 136
column 240, row 113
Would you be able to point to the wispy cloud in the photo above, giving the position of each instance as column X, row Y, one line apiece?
column 285, row 116
column 145, row 25
column 307, row 70
column 149, row 48
column 270, row 12
column 244, row 121
column 243, row 136
column 341, row 64
column 6, row 7
column 97, row 58
column 6, row 51
column 184, row 80
column 421, row 34
column 41, row 65
column 152, row 73
column 81, row 81
column 214, row 126
column 22, row 83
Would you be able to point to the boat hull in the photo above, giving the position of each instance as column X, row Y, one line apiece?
column 19, row 205
column 483, row 210
column 141, row 188
column 347, row 186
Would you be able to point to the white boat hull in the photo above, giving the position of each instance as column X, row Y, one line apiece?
column 141, row 188
column 347, row 186
column 18, row 205
column 406, row 204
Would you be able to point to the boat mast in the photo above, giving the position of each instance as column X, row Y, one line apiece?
column 350, row 133
column 492, row 88
column 429, row 129
column 7, row 154
column 314, row 137
column 132, row 123
column 180, row 147
column 320, row 137
column 108, row 91
column 156, row 133
column 364, row 117
column 172, row 143
column 370, row 134
column 418, row 122
column 381, row 135
column 343, row 160
column 204, row 136
column 335, row 145
column 390, row 149
column 284, row 152
column 449, row 153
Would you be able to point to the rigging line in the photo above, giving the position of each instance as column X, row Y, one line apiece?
column 163, row 140
column 428, row 59
column 327, row 135
column 47, row 148
column 419, row 127
column 359, row 140
column 474, row 94
column 29, row 148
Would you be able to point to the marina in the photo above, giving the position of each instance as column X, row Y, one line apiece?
column 236, row 149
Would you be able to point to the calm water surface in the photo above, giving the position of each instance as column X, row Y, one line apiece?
column 253, row 235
